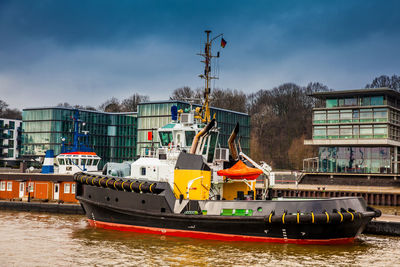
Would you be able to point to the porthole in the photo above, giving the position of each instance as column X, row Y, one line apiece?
column 90, row 196
column 116, row 199
column 108, row 198
column 259, row 209
column 162, row 209
column 143, row 201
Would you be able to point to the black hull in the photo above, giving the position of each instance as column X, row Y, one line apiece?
column 156, row 213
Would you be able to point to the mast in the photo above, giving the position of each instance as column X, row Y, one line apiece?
column 205, row 110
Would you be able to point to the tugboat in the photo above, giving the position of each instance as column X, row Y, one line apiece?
column 190, row 187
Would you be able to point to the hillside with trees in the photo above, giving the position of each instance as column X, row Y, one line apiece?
column 281, row 117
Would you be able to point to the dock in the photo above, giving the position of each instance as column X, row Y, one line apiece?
column 61, row 208
column 373, row 195
column 384, row 225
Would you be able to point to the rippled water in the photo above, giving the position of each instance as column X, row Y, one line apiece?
column 39, row 239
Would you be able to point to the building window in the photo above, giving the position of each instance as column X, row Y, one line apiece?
column 73, row 188
column 333, row 116
column 31, row 187
column 365, row 101
column 319, row 117
column 380, row 115
column 346, row 115
column 366, row 115
column 319, row 132
column 346, row 132
column 2, row 186
column 330, row 103
column 66, row 188
column 356, row 115
column 9, row 186
column 350, row 101
column 366, row 131
column 376, row 100
column 356, row 131
column 380, row 131
column 333, row 132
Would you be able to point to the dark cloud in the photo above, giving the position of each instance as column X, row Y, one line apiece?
column 112, row 48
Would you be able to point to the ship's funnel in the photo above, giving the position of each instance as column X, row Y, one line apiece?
column 48, row 163
column 200, row 134
column 231, row 142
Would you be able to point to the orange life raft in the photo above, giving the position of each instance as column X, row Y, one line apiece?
column 240, row 171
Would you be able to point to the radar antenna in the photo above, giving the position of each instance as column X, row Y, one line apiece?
column 204, row 112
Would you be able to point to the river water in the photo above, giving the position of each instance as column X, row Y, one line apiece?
column 41, row 239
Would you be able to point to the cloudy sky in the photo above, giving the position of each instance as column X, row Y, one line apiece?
column 84, row 52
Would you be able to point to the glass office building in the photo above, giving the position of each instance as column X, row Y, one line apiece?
column 153, row 115
column 357, row 131
column 111, row 135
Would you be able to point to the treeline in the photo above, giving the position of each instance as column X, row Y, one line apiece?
column 113, row 104
column 281, row 117
column 9, row 113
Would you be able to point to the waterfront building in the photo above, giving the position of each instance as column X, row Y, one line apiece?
column 37, row 187
column 154, row 115
column 10, row 141
column 356, row 132
column 111, row 135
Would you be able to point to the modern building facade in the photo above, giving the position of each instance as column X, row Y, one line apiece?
column 356, row 132
column 153, row 115
column 111, row 135
column 10, row 141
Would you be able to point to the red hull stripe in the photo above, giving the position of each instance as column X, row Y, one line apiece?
column 214, row 236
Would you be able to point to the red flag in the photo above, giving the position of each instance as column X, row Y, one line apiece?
column 149, row 136
column 223, row 43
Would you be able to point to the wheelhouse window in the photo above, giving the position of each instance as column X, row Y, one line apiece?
column 95, row 161
column 189, row 135
column 165, row 138
column 61, row 161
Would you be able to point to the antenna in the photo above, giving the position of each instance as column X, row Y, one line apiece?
column 207, row 76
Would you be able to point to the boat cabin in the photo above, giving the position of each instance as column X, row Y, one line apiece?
column 73, row 162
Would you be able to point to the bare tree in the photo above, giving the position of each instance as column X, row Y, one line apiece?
column 385, row 81
column 183, row 93
column 130, row 104
column 229, row 99
column 8, row 113
column 3, row 105
column 111, row 105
